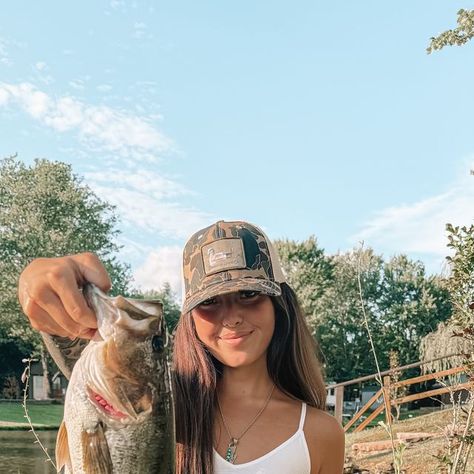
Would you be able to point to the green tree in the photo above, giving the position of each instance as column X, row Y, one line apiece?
column 402, row 304
column 460, row 35
column 341, row 333
column 457, row 335
column 461, row 280
column 411, row 305
column 328, row 291
column 309, row 273
column 46, row 211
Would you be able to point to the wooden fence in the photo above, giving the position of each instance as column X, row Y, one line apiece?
column 388, row 387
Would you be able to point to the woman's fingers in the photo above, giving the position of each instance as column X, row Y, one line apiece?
column 51, row 305
column 49, row 294
column 68, row 301
column 41, row 321
column 89, row 268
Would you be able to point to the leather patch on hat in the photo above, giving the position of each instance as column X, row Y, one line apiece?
column 222, row 255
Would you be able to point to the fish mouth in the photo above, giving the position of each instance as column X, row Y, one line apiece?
column 105, row 407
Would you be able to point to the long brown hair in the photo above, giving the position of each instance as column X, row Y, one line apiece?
column 291, row 361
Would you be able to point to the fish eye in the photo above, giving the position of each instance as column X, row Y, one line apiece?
column 157, row 343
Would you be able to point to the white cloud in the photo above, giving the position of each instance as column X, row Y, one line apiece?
column 148, row 206
column 140, row 31
column 4, row 97
column 150, row 210
column 132, row 251
column 419, row 227
column 77, row 84
column 100, row 127
column 33, row 101
column 41, row 69
column 117, row 4
column 143, row 181
column 66, row 114
column 161, row 265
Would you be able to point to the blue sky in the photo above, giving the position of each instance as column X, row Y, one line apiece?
column 324, row 118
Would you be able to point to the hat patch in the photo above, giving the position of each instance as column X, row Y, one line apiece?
column 222, row 255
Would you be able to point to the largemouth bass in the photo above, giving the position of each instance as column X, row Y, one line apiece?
column 118, row 412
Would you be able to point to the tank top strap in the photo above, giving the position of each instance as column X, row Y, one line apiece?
column 303, row 416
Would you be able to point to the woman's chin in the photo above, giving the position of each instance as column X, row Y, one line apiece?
column 235, row 364
column 237, row 360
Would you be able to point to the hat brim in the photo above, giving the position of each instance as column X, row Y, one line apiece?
column 268, row 287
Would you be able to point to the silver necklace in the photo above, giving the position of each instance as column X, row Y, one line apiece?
column 231, row 452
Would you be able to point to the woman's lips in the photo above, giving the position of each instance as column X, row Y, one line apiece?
column 235, row 338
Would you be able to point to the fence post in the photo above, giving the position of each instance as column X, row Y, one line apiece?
column 386, row 400
column 339, row 404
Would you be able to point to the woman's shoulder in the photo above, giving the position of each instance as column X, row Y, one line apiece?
column 322, row 426
column 325, row 439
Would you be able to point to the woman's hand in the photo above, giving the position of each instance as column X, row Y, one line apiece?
column 49, row 293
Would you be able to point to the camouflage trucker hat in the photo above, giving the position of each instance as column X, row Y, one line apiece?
column 227, row 257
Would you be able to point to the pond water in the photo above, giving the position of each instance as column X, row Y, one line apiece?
column 20, row 454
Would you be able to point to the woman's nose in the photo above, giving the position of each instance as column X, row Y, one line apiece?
column 232, row 314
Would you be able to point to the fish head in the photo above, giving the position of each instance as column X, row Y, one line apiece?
column 131, row 367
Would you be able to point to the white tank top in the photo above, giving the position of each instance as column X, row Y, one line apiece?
column 290, row 457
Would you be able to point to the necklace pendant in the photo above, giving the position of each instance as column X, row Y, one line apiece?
column 230, row 454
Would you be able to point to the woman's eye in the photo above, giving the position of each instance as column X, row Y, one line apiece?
column 208, row 302
column 247, row 294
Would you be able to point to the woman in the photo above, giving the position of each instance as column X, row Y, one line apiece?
column 249, row 393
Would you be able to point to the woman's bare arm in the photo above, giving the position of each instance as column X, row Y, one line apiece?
column 325, row 438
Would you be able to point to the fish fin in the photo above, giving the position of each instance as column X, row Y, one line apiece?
column 95, row 452
column 62, row 448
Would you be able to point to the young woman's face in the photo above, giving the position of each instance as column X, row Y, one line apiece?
column 237, row 327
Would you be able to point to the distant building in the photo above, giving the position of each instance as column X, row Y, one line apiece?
column 331, row 396
column 37, row 389
column 367, row 392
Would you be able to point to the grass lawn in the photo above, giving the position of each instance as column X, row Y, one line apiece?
column 404, row 415
column 40, row 414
